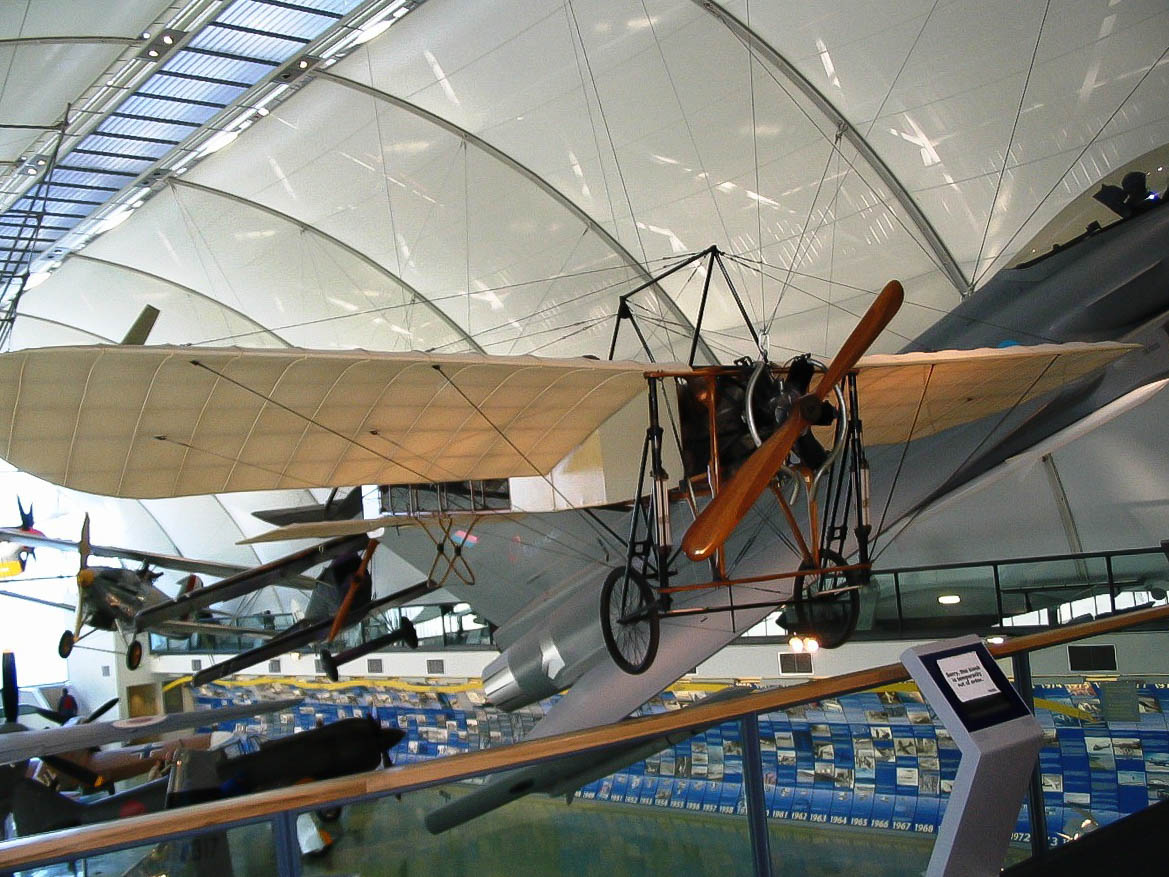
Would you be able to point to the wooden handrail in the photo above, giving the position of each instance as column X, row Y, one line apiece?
column 76, row 842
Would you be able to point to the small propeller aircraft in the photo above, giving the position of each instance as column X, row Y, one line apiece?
column 342, row 597
column 110, row 597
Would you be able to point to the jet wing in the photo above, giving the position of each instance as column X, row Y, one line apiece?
column 22, row 745
column 146, row 422
column 907, row 396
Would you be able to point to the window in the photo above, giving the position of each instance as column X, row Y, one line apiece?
column 274, row 666
column 795, row 664
column 373, row 665
column 196, row 665
column 435, row 666
column 1090, row 659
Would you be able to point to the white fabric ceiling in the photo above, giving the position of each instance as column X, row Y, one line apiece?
column 491, row 174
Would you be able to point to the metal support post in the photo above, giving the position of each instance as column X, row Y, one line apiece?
column 753, row 790
column 287, row 845
column 1021, row 666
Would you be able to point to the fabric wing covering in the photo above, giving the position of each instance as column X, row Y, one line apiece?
column 913, row 395
column 149, row 422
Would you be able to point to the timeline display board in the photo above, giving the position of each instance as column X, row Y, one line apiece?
column 999, row 740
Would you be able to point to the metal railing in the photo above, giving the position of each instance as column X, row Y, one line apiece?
column 280, row 808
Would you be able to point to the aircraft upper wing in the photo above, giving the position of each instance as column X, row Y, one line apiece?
column 907, row 396
column 22, row 745
column 166, row 561
column 146, row 422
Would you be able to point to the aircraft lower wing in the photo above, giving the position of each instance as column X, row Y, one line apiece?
column 186, row 628
column 273, row 573
column 304, row 635
column 22, row 745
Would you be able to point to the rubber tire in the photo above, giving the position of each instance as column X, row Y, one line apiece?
column 849, row 602
column 65, row 644
column 134, row 655
column 634, row 665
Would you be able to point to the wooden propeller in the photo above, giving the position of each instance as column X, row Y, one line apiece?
column 354, row 584
column 84, row 576
column 716, row 522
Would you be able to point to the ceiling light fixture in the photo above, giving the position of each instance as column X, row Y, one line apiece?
column 949, row 599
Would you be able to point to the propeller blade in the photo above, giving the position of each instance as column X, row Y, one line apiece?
column 83, row 545
column 11, row 690
column 723, row 513
column 354, row 584
column 880, row 313
column 100, row 711
column 79, row 616
column 715, row 522
column 51, row 715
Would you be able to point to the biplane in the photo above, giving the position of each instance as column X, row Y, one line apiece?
column 342, row 597
column 110, row 598
column 127, row 602
column 761, row 464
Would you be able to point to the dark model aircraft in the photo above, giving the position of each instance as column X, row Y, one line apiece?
column 72, row 749
column 337, row 749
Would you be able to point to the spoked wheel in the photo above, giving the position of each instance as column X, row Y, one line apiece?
column 65, row 644
column 831, row 618
column 133, row 655
column 629, row 620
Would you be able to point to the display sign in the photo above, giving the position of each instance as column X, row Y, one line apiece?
column 967, row 677
column 972, row 683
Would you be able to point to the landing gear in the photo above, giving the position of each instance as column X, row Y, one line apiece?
column 820, row 608
column 133, row 655
column 629, row 620
column 65, row 645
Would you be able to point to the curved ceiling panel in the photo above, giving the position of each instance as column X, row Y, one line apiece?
column 308, row 289
column 52, row 50
column 519, row 269
column 666, row 130
column 105, row 298
column 993, row 115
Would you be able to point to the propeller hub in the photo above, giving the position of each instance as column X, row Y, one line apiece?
column 85, row 578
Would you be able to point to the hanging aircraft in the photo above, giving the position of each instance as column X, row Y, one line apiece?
column 109, row 597
column 196, row 775
column 14, row 554
column 582, row 576
column 126, row 601
column 341, row 597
